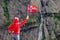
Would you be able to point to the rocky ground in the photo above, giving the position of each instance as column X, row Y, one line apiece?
column 28, row 34
column 11, row 8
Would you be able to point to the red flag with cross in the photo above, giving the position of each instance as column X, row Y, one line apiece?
column 32, row 8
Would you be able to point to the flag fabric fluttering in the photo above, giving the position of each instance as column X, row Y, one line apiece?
column 32, row 8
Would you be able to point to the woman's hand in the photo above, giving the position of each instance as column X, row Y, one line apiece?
column 27, row 17
column 11, row 32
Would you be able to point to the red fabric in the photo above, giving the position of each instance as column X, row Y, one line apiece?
column 16, row 26
column 32, row 8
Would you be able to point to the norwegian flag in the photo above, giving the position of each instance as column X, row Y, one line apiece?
column 32, row 8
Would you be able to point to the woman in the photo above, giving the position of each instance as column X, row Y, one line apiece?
column 15, row 27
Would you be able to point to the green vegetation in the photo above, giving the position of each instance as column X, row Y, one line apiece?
column 32, row 19
column 7, row 23
column 6, row 9
column 30, row 22
column 57, row 16
column 4, row 4
column 6, row 14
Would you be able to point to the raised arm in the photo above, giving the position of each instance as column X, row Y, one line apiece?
column 24, row 21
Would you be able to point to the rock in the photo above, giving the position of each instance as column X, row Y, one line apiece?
column 30, row 34
column 2, row 17
column 15, row 8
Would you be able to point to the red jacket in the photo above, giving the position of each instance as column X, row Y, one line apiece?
column 16, row 26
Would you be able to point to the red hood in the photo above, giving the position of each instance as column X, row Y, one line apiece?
column 16, row 20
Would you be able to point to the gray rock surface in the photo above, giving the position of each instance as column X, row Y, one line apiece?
column 2, row 17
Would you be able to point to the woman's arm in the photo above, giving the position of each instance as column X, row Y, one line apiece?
column 24, row 21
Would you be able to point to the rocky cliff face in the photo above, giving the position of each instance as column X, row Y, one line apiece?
column 54, row 6
column 2, row 17
column 18, row 8
column 15, row 8
column 51, row 6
